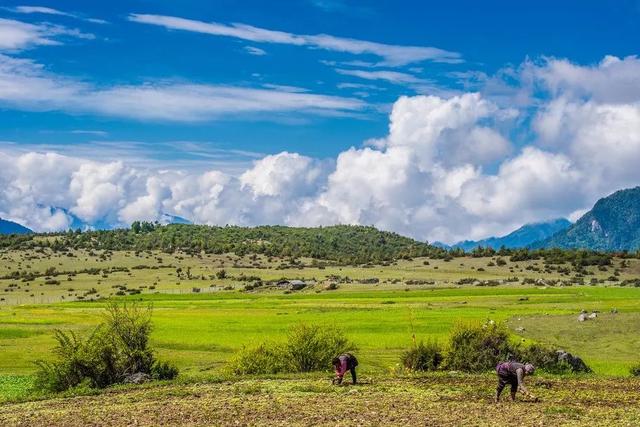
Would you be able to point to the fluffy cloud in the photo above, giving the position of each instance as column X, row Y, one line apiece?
column 601, row 139
column 447, row 170
column 284, row 173
column 613, row 80
column 449, row 131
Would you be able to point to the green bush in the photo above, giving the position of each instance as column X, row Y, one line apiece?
column 480, row 347
column 477, row 347
column 128, row 330
column 313, row 347
column 543, row 357
column 265, row 358
column 164, row 371
column 116, row 348
column 423, row 357
column 635, row 370
column 308, row 348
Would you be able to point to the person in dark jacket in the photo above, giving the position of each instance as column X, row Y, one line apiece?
column 513, row 373
column 342, row 364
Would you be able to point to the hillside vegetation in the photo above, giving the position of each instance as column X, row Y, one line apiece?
column 342, row 243
column 612, row 225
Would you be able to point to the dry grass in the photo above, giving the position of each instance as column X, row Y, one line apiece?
column 437, row 400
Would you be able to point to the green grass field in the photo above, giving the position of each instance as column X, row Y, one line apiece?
column 201, row 320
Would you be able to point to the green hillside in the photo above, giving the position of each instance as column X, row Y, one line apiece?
column 342, row 243
column 612, row 225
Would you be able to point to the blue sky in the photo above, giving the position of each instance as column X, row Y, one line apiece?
column 439, row 120
column 487, row 36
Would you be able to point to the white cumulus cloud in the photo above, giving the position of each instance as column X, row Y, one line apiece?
column 448, row 169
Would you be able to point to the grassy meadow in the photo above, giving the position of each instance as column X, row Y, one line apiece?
column 201, row 316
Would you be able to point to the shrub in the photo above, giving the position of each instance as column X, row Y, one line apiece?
column 312, row 347
column 113, row 350
column 423, row 357
column 265, row 358
column 635, row 370
column 551, row 360
column 478, row 347
column 544, row 358
column 164, row 371
column 307, row 348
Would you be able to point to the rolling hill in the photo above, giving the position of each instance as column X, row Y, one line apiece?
column 342, row 243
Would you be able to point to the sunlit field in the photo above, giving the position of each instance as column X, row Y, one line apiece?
column 202, row 316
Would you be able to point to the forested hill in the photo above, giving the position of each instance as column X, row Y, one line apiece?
column 612, row 225
column 341, row 243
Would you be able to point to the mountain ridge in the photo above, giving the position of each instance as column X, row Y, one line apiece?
column 519, row 238
column 613, row 224
column 10, row 227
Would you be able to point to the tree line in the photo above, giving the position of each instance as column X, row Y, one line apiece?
column 345, row 244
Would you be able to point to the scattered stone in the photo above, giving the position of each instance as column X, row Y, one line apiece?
column 520, row 329
column 576, row 363
column 582, row 317
column 137, row 378
column 593, row 315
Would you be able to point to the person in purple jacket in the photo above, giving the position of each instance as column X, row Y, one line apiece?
column 342, row 364
column 513, row 373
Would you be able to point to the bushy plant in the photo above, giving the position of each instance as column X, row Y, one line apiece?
column 265, row 358
column 312, row 347
column 128, row 328
column 163, row 370
column 113, row 350
column 635, row 370
column 308, row 348
column 423, row 357
column 476, row 347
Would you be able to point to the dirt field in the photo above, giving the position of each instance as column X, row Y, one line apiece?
column 443, row 400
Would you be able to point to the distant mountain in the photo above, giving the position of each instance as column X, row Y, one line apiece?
column 10, row 227
column 441, row 245
column 173, row 219
column 520, row 238
column 76, row 223
column 612, row 225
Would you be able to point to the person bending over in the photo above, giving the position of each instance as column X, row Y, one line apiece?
column 513, row 373
column 342, row 364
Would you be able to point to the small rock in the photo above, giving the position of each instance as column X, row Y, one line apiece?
column 593, row 315
column 520, row 329
column 137, row 378
column 582, row 317
column 576, row 363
